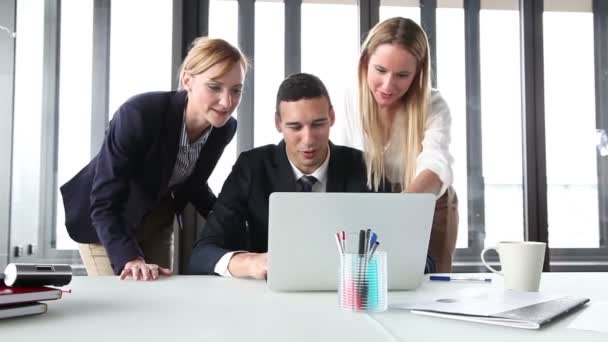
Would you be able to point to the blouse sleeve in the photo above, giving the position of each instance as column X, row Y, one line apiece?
column 435, row 155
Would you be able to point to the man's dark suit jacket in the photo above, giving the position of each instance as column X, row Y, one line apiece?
column 108, row 199
column 239, row 220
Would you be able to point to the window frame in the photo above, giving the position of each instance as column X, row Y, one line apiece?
column 195, row 16
column 8, row 15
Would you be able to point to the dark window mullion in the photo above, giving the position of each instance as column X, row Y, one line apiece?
column 194, row 19
column 293, row 36
column 428, row 21
column 475, row 181
column 369, row 15
column 533, row 122
column 190, row 20
column 244, row 139
column 600, row 31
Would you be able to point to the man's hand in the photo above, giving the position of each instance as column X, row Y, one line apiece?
column 254, row 265
column 137, row 269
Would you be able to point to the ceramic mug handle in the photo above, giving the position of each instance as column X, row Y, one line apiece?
column 483, row 260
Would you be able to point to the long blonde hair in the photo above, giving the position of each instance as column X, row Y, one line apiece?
column 414, row 104
column 205, row 52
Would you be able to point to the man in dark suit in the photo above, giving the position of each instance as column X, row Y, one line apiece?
column 235, row 237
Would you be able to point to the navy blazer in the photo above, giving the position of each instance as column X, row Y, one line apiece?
column 108, row 199
column 239, row 220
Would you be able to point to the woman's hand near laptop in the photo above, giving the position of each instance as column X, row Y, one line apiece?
column 138, row 269
column 254, row 265
column 426, row 182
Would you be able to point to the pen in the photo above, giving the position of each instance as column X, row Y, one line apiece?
column 361, row 242
column 340, row 249
column 373, row 249
column 467, row 279
column 360, row 274
column 60, row 289
column 372, row 241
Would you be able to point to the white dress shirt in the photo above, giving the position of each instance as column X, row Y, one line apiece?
column 221, row 267
column 435, row 155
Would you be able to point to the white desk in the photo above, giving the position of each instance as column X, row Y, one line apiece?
column 205, row 308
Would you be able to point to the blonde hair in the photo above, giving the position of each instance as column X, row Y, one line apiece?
column 407, row 34
column 205, row 52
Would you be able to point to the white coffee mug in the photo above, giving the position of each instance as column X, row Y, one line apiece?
column 521, row 263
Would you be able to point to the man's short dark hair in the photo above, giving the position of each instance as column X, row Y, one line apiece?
column 301, row 86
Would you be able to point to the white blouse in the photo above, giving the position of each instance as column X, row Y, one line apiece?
column 435, row 155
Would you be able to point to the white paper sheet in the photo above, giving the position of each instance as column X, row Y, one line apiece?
column 481, row 302
column 592, row 318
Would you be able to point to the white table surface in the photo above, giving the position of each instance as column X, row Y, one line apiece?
column 208, row 308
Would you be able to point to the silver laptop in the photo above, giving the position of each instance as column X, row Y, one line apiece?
column 303, row 254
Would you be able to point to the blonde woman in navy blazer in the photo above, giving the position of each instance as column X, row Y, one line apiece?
column 157, row 155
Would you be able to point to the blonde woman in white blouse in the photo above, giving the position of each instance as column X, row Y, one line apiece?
column 406, row 126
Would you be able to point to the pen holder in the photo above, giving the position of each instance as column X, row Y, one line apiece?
column 363, row 282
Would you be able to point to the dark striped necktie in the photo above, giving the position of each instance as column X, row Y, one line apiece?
column 307, row 182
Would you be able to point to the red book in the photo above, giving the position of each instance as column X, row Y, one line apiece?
column 16, row 310
column 12, row 295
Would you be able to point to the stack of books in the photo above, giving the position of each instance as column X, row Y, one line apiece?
column 23, row 301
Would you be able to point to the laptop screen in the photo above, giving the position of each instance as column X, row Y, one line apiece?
column 303, row 255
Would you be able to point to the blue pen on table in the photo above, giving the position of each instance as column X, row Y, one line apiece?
column 372, row 240
column 464, row 279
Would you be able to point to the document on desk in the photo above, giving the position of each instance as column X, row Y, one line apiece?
column 528, row 310
column 592, row 318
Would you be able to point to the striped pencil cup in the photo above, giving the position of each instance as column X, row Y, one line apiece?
column 363, row 282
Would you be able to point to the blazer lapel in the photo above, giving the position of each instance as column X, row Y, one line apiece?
column 174, row 121
column 335, row 171
column 211, row 150
column 285, row 180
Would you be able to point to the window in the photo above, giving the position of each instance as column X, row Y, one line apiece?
column 74, row 134
column 49, row 147
column 572, row 194
column 140, row 50
column 501, row 124
column 268, row 65
column 27, row 124
column 451, row 83
column 332, row 55
column 400, row 8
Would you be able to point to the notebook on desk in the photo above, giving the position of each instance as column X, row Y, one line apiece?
column 527, row 310
column 302, row 249
column 18, row 310
column 13, row 295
